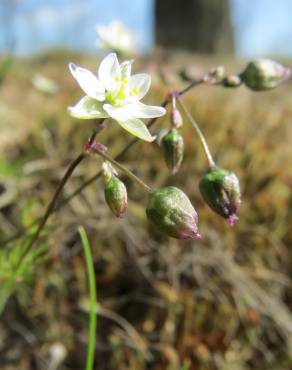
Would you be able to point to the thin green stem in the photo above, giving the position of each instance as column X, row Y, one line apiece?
column 123, row 169
column 199, row 132
column 51, row 205
column 92, row 298
column 191, row 86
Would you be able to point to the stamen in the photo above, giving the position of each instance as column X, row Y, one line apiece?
column 134, row 91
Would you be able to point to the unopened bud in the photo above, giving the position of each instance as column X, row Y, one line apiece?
column 171, row 211
column 221, row 191
column 173, row 148
column 232, row 81
column 108, row 171
column 192, row 74
column 176, row 118
column 115, row 191
column 217, row 73
column 264, row 74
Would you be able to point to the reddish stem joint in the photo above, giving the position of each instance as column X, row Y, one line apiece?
column 95, row 147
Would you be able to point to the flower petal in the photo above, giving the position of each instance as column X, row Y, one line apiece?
column 88, row 108
column 140, row 110
column 118, row 113
column 133, row 125
column 109, row 72
column 137, row 128
column 139, row 85
column 88, row 82
column 126, row 69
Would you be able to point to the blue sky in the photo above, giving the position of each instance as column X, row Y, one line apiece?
column 38, row 24
column 262, row 27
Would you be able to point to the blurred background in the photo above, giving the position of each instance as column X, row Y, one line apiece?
column 221, row 303
column 246, row 28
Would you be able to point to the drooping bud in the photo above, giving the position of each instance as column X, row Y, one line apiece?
column 173, row 148
column 115, row 191
column 176, row 118
column 264, row 74
column 232, row 81
column 221, row 191
column 192, row 74
column 175, row 115
column 172, row 212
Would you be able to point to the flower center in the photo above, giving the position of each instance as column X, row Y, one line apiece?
column 119, row 97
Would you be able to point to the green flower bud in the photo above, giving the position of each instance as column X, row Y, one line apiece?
column 115, row 191
column 173, row 148
column 264, row 74
column 172, row 212
column 221, row 191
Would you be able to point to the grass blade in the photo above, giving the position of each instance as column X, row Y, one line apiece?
column 92, row 298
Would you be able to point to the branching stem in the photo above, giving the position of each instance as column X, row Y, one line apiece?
column 122, row 168
column 54, row 207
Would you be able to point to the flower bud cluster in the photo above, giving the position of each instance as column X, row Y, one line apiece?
column 169, row 208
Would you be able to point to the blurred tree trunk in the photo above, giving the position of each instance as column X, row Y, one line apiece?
column 197, row 25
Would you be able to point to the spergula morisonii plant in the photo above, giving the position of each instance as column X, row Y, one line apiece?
column 115, row 94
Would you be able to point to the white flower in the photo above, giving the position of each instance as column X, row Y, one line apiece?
column 44, row 84
column 116, row 37
column 115, row 93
